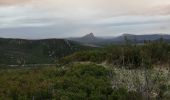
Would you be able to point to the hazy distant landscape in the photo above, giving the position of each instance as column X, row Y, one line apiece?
column 48, row 51
column 84, row 49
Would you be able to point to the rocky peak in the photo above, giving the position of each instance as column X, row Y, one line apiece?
column 89, row 36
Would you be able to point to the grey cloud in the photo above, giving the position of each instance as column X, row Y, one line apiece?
column 61, row 18
column 13, row 2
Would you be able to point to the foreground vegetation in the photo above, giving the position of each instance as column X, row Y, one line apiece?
column 127, row 55
column 74, row 82
column 84, row 82
column 117, row 72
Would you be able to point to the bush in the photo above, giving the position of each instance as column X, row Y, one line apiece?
column 128, row 56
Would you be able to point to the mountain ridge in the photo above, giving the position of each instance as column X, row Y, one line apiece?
column 92, row 39
column 46, row 51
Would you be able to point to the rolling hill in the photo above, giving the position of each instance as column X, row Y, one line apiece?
column 47, row 51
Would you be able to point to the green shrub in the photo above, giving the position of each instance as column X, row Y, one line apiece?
column 128, row 56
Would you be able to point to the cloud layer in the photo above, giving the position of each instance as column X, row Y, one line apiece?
column 13, row 2
column 65, row 18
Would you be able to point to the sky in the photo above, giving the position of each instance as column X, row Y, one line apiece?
column 38, row 19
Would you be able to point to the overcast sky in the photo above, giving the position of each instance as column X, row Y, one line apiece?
column 35, row 19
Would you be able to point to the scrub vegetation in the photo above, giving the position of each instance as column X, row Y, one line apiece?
column 116, row 72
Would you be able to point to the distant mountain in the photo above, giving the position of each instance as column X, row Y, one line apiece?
column 91, row 39
column 20, row 51
column 140, row 38
column 87, row 39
